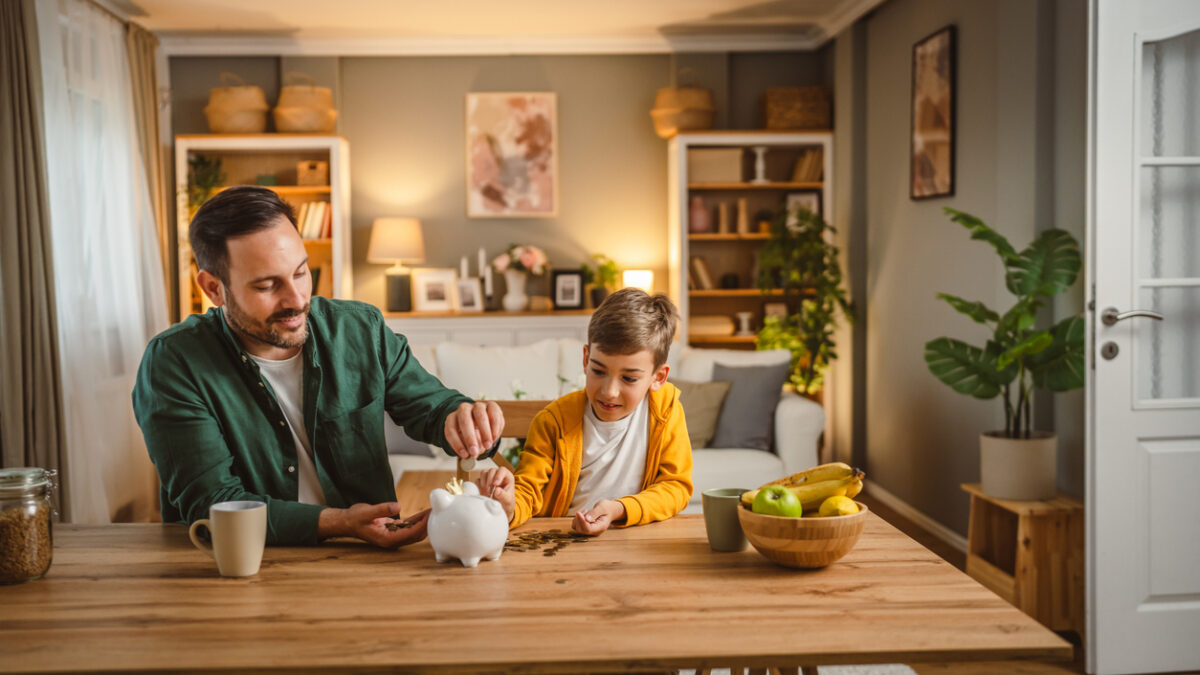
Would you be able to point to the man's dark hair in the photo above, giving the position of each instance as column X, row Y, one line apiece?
column 240, row 210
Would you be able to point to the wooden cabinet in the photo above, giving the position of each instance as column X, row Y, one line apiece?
column 247, row 158
column 708, row 169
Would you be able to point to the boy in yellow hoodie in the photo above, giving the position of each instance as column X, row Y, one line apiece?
column 616, row 453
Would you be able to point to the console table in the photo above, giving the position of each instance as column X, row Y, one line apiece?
column 1030, row 554
column 489, row 329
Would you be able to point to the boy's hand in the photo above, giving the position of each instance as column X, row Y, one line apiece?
column 499, row 485
column 603, row 514
column 369, row 523
column 474, row 427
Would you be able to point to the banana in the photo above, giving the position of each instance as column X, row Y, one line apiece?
column 812, row 494
column 815, row 474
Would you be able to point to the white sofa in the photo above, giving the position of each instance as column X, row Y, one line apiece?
column 550, row 368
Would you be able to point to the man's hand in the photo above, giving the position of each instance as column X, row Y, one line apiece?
column 369, row 523
column 498, row 484
column 599, row 518
column 474, row 427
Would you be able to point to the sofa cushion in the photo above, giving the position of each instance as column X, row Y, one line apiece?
column 701, row 407
column 731, row 468
column 696, row 365
column 747, row 419
column 494, row 372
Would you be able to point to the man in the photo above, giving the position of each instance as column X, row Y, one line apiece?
column 278, row 396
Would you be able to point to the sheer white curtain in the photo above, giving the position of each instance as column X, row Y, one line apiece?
column 108, row 274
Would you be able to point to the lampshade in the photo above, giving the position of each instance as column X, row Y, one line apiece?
column 643, row 279
column 396, row 240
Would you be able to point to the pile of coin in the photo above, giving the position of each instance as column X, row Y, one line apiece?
column 557, row 540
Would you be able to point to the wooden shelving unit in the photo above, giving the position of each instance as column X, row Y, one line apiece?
column 731, row 257
column 245, row 157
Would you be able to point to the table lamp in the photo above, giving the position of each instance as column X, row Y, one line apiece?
column 397, row 241
column 643, row 279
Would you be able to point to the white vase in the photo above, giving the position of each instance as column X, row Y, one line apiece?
column 1019, row 468
column 514, row 299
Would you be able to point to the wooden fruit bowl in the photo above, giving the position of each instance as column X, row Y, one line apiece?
column 802, row 542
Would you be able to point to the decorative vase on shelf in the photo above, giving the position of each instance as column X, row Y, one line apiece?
column 514, row 291
column 699, row 217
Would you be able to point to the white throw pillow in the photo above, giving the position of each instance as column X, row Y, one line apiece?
column 494, row 372
column 696, row 365
column 570, row 365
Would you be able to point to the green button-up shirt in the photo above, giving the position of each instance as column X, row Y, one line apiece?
column 216, row 433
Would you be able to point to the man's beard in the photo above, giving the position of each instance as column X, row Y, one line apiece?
column 267, row 332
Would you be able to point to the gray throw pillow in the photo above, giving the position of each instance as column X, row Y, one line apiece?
column 747, row 419
column 701, row 406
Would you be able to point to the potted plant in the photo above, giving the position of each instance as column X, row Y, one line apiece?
column 602, row 276
column 799, row 259
column 1016, row 359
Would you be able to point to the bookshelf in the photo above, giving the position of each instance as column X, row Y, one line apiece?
column 245, row 158
column 730, row 257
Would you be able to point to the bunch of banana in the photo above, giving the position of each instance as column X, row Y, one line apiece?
column 815, row 485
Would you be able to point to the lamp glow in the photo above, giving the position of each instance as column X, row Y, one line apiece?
column 643, row 279
column 397, row 241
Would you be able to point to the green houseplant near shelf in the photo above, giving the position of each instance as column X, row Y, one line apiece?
column 799, row 259
column 602, row 277
column 1017, row 463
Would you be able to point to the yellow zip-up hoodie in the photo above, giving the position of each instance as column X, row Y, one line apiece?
column 549, row 468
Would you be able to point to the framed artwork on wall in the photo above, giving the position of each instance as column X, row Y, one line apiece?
column 512, row 155
column 933, row 125
column 434, row 289
column 568, row 289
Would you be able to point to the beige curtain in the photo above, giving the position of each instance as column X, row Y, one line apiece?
column 142, row 47
column 31, row 424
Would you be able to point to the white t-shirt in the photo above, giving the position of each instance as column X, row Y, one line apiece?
column 287, row 380
column 614, row 457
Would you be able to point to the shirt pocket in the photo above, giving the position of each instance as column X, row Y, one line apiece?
column 354, row 440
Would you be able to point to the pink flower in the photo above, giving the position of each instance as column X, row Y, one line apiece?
column 528, row 259
column 501, row 262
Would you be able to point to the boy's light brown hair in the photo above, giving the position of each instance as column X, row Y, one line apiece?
column 631, row 320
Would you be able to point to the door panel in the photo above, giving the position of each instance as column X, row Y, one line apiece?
column 1172, row 468
column 1168, row 356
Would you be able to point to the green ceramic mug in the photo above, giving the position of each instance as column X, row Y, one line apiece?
column 721, row 519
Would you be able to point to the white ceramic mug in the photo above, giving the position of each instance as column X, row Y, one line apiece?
column 239, row 532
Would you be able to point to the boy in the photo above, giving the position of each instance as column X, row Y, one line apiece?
column 616, row 453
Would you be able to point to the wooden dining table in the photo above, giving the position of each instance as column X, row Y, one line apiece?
column 140, row 597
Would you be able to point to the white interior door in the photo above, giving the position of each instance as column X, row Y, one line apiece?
column 1144, row 414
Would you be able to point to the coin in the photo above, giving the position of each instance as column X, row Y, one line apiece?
column 467, row 464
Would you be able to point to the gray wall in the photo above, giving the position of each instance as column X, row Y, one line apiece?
column 1020, row 167
column 403, row 117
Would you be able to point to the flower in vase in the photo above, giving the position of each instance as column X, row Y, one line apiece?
column 522, row 257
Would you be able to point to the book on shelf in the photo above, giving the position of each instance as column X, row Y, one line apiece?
column 313, row 219
column 327, row 222
column 810, row 166
column 702, row 275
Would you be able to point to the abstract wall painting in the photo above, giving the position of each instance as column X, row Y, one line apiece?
column 512, row 155
column 933, row 122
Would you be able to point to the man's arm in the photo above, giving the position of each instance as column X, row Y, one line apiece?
column 190, row 452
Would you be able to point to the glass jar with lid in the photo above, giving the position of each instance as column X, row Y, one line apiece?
column 25, row 514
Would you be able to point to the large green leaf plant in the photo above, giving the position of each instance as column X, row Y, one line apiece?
column 1018, row 357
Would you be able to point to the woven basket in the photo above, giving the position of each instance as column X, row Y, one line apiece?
column 304, row 108
column 682, row 109
column 796, row 108
column 236, row 108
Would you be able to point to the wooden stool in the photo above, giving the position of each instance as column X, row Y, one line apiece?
column 1030, row 554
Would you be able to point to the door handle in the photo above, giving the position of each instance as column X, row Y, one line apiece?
column 1110, row 315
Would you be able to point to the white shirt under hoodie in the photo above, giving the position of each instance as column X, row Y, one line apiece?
column 614, row 457
column 286, row 378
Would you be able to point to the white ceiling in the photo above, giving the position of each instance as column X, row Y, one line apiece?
column 477, row 26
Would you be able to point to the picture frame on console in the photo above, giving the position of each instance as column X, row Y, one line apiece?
column 470, row 295
column 567, row 286
column 434, row 289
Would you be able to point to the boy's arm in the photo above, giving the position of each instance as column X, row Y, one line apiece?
column 533, row 471
column 671, row 489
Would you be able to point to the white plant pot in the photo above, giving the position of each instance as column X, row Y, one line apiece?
column 1024, row 469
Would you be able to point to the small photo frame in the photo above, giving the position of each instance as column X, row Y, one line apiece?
column 470, row 295
column 434, row 289
column 777, row 309
column 568, row 289
column 809, row 199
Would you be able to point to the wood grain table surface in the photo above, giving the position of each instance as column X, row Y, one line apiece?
column 140, row 597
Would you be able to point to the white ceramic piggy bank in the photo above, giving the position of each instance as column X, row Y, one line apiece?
column 467, row 526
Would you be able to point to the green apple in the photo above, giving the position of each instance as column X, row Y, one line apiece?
column 776, row 500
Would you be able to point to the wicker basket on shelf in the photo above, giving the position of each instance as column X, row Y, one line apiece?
column 796, row 108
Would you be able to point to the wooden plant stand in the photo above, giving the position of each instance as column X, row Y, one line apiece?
column 1030, row 554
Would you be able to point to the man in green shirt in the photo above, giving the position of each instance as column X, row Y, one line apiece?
column 279, row 396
